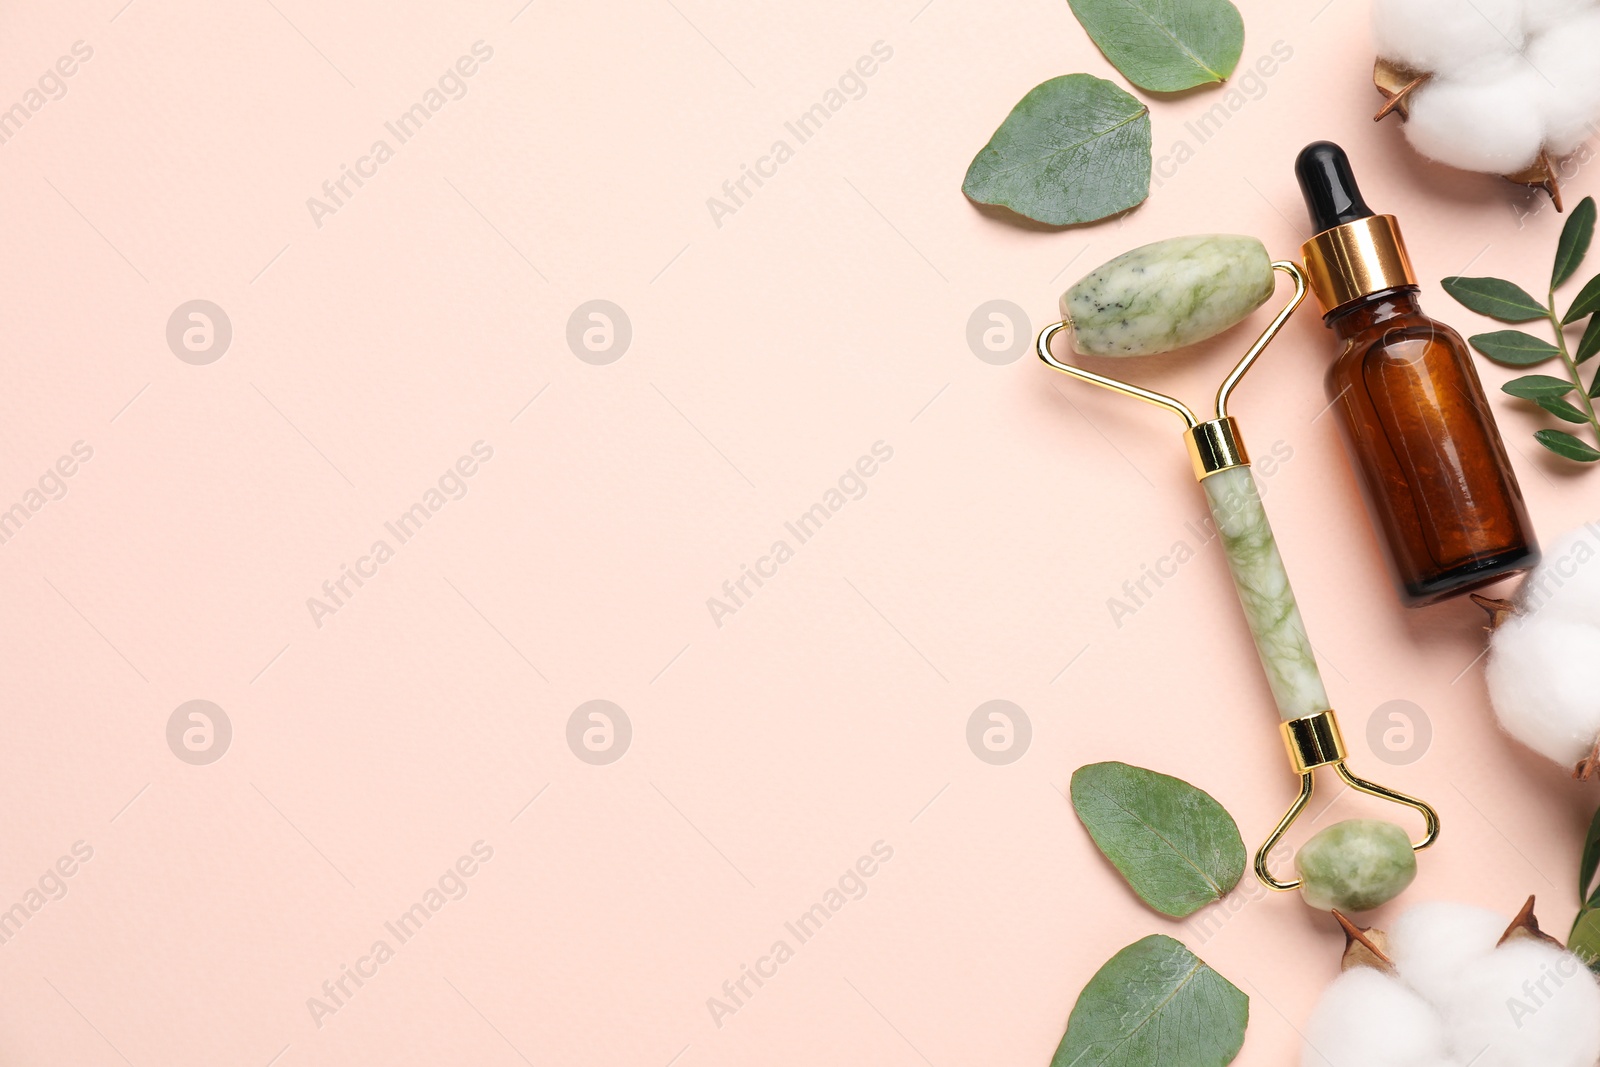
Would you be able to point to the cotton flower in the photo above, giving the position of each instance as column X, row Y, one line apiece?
column 1395, row 1025
column 1568, row 65
column 1543, row 673
column 1431, row 943
column 1503, row 80
column 1491, row 125
column 1525, row 1003
column 1446, row 36
column 1455, row 987
column 1539, row 16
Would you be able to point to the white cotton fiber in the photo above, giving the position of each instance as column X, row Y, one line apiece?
column 1567, row 60
column 1397, row 1028
column 1544, row 682
column 1544, row 662
column 1527, row 1004
column 1446, row 36
column 1539, row 16
column 1432, row 942
column 1566, row 583
column 1493, row 124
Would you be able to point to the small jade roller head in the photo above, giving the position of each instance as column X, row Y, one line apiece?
column 1160, row 298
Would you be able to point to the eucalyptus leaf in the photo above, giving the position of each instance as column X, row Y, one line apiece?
column 1587, row 302
column 1513, row 347
column 1177, row 847
column 1165, row 45
column 1496, row 298
column 1561, row 409
column 1574, row 243
column 1535, row 386
column 1565, row 445
column 1591, row 856
column 1155, row 1004
column 1589, row 344
column 1075, row 149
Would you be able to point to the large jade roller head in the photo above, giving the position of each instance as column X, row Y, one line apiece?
column 1163, row 297
column 1168, row 295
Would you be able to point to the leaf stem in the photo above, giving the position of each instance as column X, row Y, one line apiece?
column 1572, row 368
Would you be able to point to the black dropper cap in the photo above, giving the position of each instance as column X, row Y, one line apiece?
column 1329, row 188
column 1354, row 253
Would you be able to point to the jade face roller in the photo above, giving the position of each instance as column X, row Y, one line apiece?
column 1159, row 298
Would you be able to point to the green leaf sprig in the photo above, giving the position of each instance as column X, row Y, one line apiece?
column 1566, row 398
column 1584, row 940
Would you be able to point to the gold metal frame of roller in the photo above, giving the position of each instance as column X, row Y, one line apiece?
column 1214, row 445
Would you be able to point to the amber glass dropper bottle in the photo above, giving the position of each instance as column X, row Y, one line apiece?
column 1418, row 428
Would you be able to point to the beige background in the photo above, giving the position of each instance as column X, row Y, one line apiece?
column 430, row 711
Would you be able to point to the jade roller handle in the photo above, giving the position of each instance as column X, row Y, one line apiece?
column 1165, row 296
column 1264, row 590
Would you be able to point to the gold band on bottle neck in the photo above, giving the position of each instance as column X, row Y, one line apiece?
column 1215, row 446
column 1355, row 260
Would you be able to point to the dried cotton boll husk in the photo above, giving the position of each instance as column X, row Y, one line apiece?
column 1526, row 1004
column 1431, row 943
column 1494, row 125
column 1540, row 16
column 1567, row 60
column 1544, row 682
column 1397, row 1028
column 1448, row 37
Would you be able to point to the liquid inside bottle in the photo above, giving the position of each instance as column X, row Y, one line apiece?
column 1433, row 468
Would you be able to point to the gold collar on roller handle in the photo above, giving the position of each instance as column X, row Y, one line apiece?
column 1214, row 445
